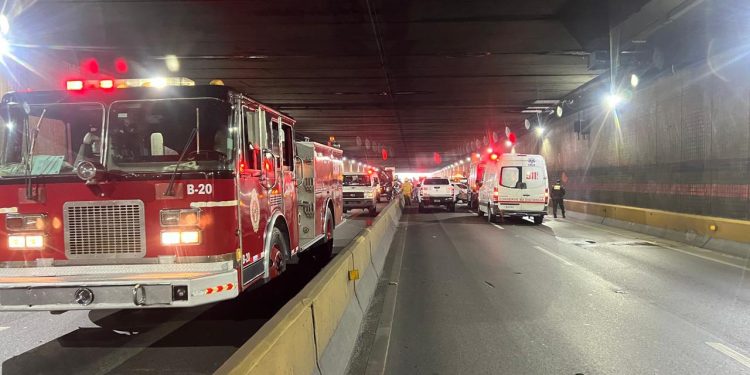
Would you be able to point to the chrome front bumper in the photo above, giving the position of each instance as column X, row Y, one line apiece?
column 117, row 286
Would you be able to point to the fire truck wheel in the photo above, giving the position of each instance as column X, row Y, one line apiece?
column 279, row 249
column 325, row 251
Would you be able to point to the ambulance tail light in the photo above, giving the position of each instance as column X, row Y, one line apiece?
column 546, row 196
column 495, row 195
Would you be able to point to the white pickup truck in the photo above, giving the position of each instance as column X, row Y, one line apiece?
column 437, row 192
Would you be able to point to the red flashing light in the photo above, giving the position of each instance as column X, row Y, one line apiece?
column 107, row 84
column 121, row 65
column 384, row 154
column 90, row 66
column 493, row 157
column 74, row 85
column 512, row 138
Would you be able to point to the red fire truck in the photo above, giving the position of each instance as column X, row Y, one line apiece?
column 117, row 196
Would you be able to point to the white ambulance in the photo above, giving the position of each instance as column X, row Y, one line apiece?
column 514, row 185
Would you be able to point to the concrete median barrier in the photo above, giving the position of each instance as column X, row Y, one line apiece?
column 315, row 332
column 725, row 235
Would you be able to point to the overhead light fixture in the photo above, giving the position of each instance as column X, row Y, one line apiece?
column 546, row 101
column 508, row 143
column 613, row 100
column 559, row 111
column 539, row 131
column 634, row 80
column 532, row 111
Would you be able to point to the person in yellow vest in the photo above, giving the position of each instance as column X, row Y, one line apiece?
column 406, row 189
column 558, row 195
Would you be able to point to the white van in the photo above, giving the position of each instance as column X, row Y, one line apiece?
column 514, row 185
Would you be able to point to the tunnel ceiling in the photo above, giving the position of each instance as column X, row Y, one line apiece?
column 417, row 77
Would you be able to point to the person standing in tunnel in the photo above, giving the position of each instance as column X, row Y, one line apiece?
column 406, row 189
column 558, row 196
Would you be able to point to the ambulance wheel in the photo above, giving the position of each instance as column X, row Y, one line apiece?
column 278, row 254
column 490, row 216
column 538, row 220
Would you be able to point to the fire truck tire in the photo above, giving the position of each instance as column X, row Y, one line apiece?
column 278, row 254
column 324, row 252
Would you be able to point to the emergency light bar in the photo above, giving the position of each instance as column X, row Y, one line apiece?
column 108, row 84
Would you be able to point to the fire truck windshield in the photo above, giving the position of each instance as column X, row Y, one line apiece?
column 48, row 139
column 150, row 135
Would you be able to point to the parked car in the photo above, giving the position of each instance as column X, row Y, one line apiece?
column 437, row 192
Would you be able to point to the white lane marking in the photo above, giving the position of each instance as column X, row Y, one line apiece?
column 565, row 261
column 497, row 226
column 214, row 204
column 737, row 356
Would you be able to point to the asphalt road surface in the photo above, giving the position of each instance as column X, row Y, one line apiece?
column 179, row 341
column 567, row 297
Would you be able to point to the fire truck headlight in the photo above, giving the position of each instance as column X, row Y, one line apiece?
column 26, row 241
column 35, row 241
column 191, row 237
column 174, row 218
column 25, row 222
column 16, row 242
column 185, row 237
column 170, row 238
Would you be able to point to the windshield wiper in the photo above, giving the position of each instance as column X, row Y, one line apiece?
column 169, row 192
column 30, row 157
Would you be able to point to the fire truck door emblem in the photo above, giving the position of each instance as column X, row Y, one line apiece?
column 254, row 210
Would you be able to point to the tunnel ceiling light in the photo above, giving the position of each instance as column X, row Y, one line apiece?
column 539, row 131
column 532, row 111
column 4, row 24
column 508, row 143
column 559, row 111
column 546, row 101
column 468, row 160
column 634, row 80
column 613, row 100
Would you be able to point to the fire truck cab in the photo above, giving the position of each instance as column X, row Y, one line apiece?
column 175, row 195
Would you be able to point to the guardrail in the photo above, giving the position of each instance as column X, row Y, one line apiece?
column 315, row 331
column 728, row 235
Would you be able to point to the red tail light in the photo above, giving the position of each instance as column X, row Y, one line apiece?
column 74, row 85
column 546, row 196
column 495, row 194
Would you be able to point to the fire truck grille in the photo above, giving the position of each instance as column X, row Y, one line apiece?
column 108, row 229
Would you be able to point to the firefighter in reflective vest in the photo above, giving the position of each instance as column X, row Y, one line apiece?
column 558, row 194
column 407, row 188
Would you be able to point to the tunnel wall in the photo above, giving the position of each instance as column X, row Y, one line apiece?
column 681, row 144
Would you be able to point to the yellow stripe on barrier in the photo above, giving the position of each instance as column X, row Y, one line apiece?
column 715, row 227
